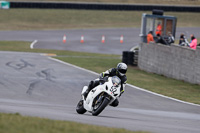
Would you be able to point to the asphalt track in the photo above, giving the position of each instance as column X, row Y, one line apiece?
column 36, row 85
column 52, row 39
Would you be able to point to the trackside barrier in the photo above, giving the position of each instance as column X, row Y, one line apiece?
column 130, row 57
column 173, row 61
column 97, row 6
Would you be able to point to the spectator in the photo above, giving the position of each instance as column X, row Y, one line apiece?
column 161, row 40
column 150, row 37
column 159, row 29
column 170, row 38
column 183, row 41
column 193, row 43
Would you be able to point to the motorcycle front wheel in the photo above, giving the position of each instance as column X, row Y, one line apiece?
column 100, row 107
column 79, row 108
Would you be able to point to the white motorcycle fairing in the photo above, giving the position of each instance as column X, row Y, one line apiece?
column 110, row 88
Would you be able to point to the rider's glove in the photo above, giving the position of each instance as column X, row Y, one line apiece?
column 101, row 76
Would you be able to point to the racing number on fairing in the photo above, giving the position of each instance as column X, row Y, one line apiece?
column 113, row 90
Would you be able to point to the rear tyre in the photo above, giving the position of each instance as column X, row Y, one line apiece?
column 100, row 108
column 79, row 108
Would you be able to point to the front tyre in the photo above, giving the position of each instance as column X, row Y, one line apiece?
column 100, row 108
column 79, row 108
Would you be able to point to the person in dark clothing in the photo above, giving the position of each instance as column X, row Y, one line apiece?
column 183, row 41
column 119, row 71
column 161, row 40
column 170, row 38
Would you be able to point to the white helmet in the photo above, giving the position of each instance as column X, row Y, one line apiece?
column 122, row 68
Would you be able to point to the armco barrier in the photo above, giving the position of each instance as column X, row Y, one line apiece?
column 97, row 6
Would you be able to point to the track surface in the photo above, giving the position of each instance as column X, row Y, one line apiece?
column 92, row 39
column 36, row 85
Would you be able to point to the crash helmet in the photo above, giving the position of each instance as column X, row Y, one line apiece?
column 121, row 69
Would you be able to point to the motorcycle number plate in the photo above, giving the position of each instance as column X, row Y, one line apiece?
column 113, row 90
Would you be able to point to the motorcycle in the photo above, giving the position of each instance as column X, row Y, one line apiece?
column 100, row 96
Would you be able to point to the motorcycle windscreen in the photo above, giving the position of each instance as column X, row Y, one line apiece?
column 116, row 81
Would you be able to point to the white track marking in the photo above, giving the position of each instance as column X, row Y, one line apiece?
column 33, row 43
column 135, row 87
column 73, row 65
column 138, row 88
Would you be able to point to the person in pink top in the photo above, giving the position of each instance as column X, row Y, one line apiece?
column 193, row 43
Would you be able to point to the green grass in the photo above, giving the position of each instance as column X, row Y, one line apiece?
column 37, row 19
column 156, row 83
column 100, row 62
column 15, row 123
column 21, row 46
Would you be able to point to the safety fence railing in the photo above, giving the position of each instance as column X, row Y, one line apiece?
column 98, row 6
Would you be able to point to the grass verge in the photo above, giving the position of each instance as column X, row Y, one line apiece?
column 46, row 19
column 156, row 83
column 100, row 62
column 15, row 123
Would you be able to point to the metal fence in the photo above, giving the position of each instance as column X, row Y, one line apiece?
column 95, row 6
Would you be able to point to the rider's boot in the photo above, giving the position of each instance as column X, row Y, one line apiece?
column 85, row 94
column 115, row 103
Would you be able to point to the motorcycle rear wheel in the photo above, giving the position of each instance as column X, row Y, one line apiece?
column 101, row 107
column 79, row 108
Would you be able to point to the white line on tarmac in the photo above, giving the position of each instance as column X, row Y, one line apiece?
column 138, row 88
column 135, row 87
column 33, row 43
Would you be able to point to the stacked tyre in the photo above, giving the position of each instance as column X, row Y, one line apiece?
column 135, row 58
column 128, row 57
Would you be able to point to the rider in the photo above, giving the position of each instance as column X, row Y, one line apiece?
column 119, row 71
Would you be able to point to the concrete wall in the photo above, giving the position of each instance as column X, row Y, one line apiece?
column 173, row 61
